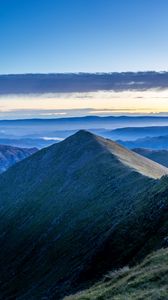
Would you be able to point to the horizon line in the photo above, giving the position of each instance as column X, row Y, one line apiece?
column 83, row 73
column 88, row 116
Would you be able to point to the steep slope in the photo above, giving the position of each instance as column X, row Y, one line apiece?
column 145, row 281
column 73, row 211
column 10, row 155
column 136, row 162
column 160, row 156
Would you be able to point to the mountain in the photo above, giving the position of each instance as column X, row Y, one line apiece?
column 81, row 82
column 11, row 155
column 133, row 133
column 33, row 131
column 160, row 156
column 73, row 211
column 158, row 143
column 28, row 142
column 135, row 162
column 147, row 280
column 44, row 127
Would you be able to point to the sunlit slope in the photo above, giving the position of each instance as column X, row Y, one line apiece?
column 138, row 163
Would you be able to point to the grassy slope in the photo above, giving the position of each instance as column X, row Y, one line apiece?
column 59, row 209
column 129, row 158
column 147, row 280
column 71, row 206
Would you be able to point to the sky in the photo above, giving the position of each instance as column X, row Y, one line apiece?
column 101, row 103
column 41, row 36
column 54, row 36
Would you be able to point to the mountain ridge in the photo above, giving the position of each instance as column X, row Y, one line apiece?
column 10, row 155
column 136, row 162
column 68, row 216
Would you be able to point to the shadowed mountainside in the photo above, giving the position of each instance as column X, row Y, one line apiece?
column 74, row 211
column 10, row 155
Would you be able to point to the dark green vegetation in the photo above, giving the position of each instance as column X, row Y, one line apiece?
column 148, row 280
column 74, row 211
column 10, row 155
column 160, row 156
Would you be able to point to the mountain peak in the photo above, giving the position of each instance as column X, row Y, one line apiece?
column 84, row 133
column 81, row 136
column 68, row 211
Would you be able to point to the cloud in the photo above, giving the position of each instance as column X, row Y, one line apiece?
column 74, row 104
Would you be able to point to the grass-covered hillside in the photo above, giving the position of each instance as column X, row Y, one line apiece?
column 148, row 280
column 73, row 211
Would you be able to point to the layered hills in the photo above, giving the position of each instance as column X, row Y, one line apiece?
column 160, row 156
column 74, row 211
column 10, row 155
column 133, row 133
column 155, row 143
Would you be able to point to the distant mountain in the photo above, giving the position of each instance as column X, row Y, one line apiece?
column 73, row 211
column 147, row 280
column 160, row 156
column 81, row 82
column 158, row 143
column 28, row 142
column 11, row 155
column 63, row 127
column 133, row 133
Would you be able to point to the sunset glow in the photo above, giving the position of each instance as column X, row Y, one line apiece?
column 100, row 103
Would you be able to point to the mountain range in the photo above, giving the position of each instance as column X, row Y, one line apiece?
column 22, row 127
column 160, row 156
column 75, row 210
column 39, row 133
column 133, row 133
column 10, row 155
column 155, row 143
column 28, row 143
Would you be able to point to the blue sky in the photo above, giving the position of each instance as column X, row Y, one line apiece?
column 83, row 35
